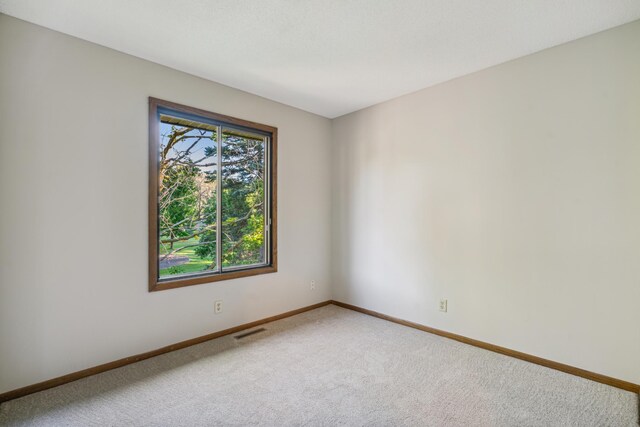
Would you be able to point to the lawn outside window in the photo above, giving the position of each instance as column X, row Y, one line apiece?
column 212, row 196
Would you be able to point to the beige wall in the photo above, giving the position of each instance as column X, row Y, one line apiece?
column 515, row 193
column 73, row 208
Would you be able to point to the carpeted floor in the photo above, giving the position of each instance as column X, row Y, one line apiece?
column 329, row 366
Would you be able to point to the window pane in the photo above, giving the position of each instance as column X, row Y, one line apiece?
column 243, row 199
column 187, row 197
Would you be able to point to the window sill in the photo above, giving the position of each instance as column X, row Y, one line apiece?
column 161, row 285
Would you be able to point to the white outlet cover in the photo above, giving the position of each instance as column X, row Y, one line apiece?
column 443, row 305
column 217, row 307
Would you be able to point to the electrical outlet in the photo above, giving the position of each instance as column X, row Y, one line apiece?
column 443, row 305
column 217, row 307
column 313, row 285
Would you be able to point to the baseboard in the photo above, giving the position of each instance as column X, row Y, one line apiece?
column 614, row 382
column 44, row 385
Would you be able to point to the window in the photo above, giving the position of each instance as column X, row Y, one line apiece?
column 212, row 197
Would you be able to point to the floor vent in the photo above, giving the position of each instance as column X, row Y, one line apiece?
column 246, row 334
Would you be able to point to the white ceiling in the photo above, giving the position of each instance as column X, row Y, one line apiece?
column 330, row 57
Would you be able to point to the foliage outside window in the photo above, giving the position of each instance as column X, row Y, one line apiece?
column 208, row 219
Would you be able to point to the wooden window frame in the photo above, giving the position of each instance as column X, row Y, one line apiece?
column 157, row 284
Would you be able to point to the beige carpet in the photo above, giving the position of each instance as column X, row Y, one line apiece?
column 330, row 366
